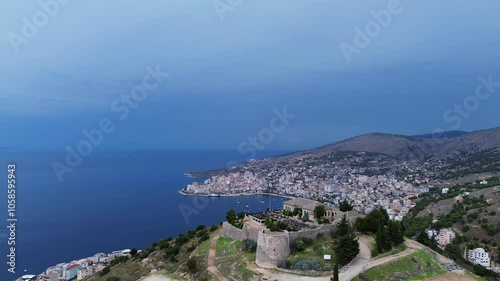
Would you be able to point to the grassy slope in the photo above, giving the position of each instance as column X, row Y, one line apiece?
column 416, row 266
column 135, row 268
column 231, row 260
column 317, row 251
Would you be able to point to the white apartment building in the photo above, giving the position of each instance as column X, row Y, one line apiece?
column 479, row 256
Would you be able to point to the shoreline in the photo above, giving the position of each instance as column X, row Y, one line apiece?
column 236, row 195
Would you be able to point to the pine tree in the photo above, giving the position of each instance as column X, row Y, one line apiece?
column 383, row 240
column 378, row 240
column 347, row 248
column 343, row 228
column 395, row 233
column 373, row 221
column 231, row 216
column 345, row 206
column 423, row 238
column 305, row 217
column 336, row 272
column 319, row 212
column 386, row 240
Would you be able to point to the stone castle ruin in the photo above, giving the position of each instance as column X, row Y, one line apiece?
column 274, row 247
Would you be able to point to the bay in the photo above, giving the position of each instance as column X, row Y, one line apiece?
column 113, row 200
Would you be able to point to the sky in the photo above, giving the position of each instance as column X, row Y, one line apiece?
column 66, row 66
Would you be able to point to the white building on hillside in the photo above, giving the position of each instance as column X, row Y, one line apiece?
column 445, row 236
column 479, row 256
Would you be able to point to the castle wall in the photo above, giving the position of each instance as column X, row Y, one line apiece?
column 325, row 229
column 272, row 248
column 230, row 231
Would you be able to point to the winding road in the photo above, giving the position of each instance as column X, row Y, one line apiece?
column 361, row 263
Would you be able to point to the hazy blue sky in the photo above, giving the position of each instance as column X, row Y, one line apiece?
column 226, row 76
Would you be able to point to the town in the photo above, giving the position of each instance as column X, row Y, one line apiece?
column 78, row 269
column 367, row 181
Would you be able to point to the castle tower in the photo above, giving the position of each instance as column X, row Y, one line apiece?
column 272, row 248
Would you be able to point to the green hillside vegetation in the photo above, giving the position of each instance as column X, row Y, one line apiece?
column 181, row 255
column 482, row 162
column 307, row 255
column 231, row 260
column 471, row 210
column 388, row 234
column 416, row 266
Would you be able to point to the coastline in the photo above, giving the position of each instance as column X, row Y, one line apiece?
column 235, row 195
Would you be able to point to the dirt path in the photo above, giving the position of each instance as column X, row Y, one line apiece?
column 211, row 259
column 458, row 275
column 360, row 264
column 156, row 277
column 346, row 273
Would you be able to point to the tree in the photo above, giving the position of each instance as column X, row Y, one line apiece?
column 373, row 221
column 231, row 216
column 105, row 270
column 345, row 206
column 133, row 252
column 306, row 216
column 192, row 265
column 395, row 232
column 423, row 238
column 335, row 272
column 347, row 248
column 297, row 211
column 343, row 228
column 319, row 212
column 383, row 240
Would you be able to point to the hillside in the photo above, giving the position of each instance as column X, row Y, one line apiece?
column 182, row 258
column 470, row 210
column 479, row 224
column 450, row 155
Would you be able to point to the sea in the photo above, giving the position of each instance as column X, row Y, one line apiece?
column 113, row 200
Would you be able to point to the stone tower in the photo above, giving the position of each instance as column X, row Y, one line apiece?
column 272, row 248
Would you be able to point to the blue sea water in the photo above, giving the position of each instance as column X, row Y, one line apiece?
column 113, row 200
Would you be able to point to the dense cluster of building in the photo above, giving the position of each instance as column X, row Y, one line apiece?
column 364, row 192
column 78, row 269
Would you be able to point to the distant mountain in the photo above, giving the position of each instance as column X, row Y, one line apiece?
column 449, row 134
column 454, row 154
column 447, row 144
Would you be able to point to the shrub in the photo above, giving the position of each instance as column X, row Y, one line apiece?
column 249, row 246
column 192, row 265
column 306, row 264
column 105, row 270
column 297, row 245
column 133, row 252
